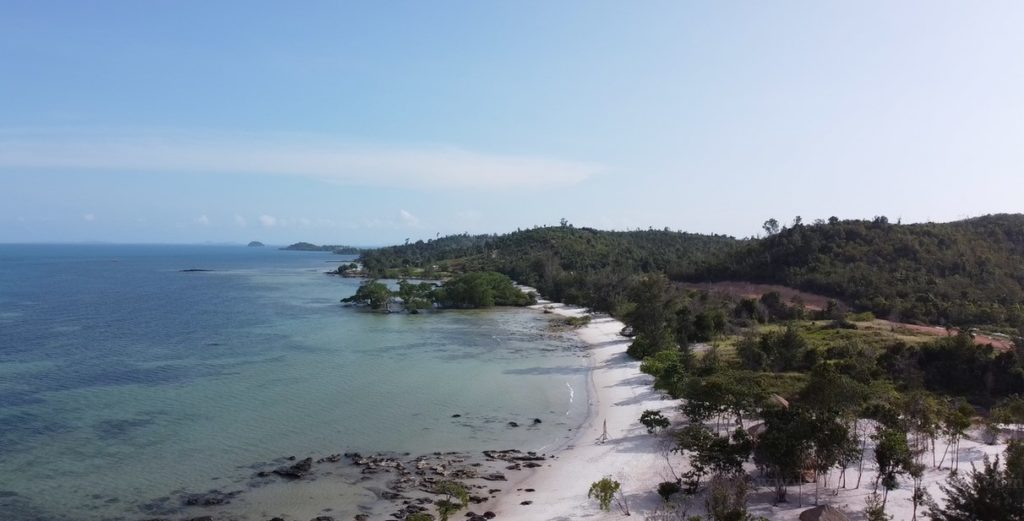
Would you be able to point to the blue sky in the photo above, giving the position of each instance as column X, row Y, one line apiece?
column 367, row 123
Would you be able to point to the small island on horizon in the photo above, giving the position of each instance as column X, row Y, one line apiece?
column 256, row 244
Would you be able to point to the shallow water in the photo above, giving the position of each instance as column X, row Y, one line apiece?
column 123, row 379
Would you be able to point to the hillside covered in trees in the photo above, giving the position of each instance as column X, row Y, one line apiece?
column 578, row 265
column 961, row 273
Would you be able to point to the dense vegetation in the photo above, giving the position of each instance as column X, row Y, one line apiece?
column 575, row 265
column 961, row 273
column 792, row 407
column 470, row 290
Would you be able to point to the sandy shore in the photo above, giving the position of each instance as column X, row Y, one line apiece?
column 618, row 394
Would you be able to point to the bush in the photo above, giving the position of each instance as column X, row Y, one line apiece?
column 654, row 420
column 666, row 489
column 604, row 491
column 866, row 316
column 482, row 290
column 579, row 321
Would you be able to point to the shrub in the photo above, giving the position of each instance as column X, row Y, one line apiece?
column 654, row 420
column 667, row 489
column 604, row 492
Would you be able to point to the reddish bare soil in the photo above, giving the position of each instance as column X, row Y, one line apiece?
column 979, row 338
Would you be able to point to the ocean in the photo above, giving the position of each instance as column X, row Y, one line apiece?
column 125, row 380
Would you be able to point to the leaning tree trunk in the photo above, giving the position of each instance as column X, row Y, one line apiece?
column 944, row 453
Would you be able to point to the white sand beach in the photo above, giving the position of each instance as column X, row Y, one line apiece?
column 619, row 394
column 639, row 461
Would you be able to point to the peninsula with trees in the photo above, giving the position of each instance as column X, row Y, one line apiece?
column 333, row 248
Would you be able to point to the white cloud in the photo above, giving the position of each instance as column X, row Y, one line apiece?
column 436, row 167
column 408, row 218
column 202, row 220
column 268, row 221
column 89, row 217
column 240, row 221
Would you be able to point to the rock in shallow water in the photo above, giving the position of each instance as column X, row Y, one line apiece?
column 297, row 470
column 211, row 498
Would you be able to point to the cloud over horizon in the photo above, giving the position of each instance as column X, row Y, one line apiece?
column 317, row 157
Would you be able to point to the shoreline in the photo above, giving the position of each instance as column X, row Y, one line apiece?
column 336, row 485
column 618, row 393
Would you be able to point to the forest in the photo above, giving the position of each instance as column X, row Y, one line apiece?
column 964, row 273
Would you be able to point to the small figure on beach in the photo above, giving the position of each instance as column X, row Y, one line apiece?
column 604, row 434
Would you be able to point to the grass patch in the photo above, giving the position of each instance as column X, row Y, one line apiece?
column 579, row 321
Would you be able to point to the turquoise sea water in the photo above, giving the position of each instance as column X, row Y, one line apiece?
column 123, row 379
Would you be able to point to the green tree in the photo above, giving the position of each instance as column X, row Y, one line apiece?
column 481, row 290
column 727, row 498
column 784, row 350
column 712, row 454
column 668, row 369
column 604, row 492
column 923, row 414
column 416, row 296
column 990, row 493
column 455, row 498
column 372, row 293
column 955, row 421
column 654, row 420
column 893, row 456
column 784, row 447
column 652, row 316
column 751, row 354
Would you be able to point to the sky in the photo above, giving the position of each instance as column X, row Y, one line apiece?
column 368, row 123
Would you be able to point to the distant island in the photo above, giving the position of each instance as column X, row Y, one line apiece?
column 333, row 248
column 256, row 244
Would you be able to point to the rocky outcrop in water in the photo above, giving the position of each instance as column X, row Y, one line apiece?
column 408, row 484
column 296, row 471
column 206, row 499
